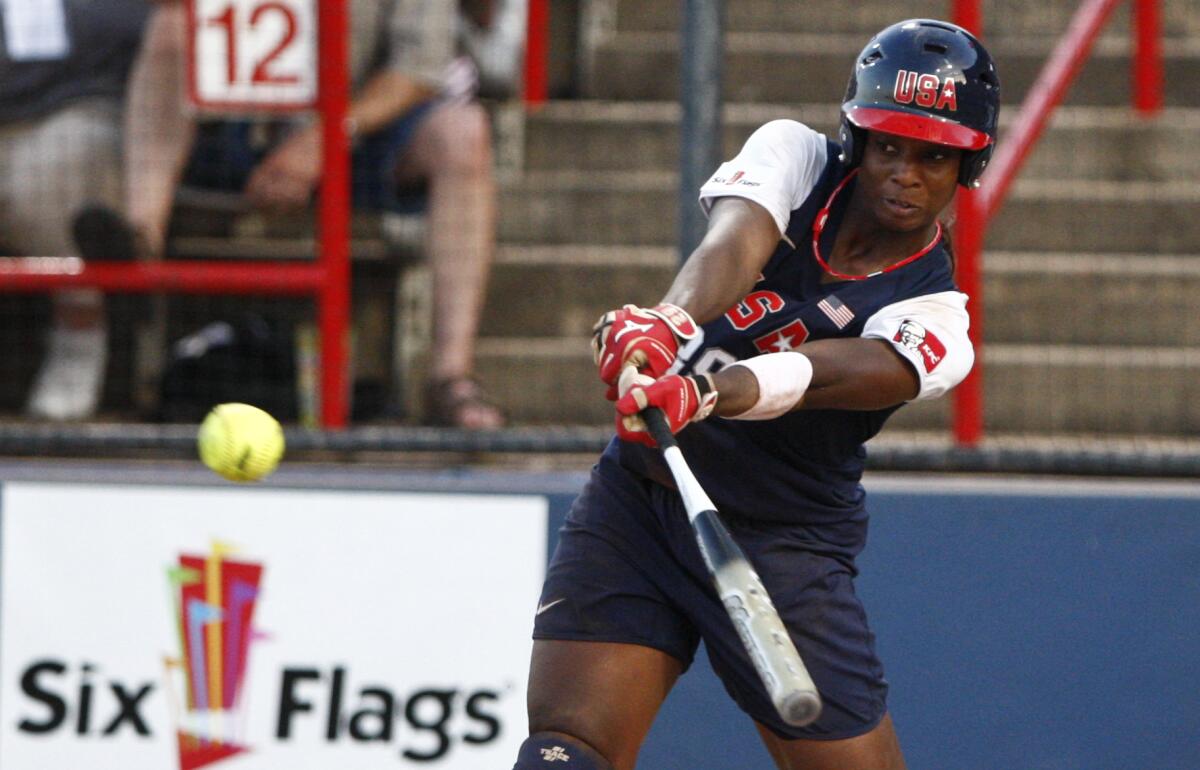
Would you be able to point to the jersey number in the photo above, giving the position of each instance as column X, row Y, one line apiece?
column 713, row 360
column 753, row 309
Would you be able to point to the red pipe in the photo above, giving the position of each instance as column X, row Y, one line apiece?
column 39, row 274
column 1046, row 93
column 1147, row 61
column 970, row 225
column 333, row 301
column 975, row 209
column 537, row 49
column 968, row 14
column 967, row 417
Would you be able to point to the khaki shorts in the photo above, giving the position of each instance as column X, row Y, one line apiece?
column 52, row 167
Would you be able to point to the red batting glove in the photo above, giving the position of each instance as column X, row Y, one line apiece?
column 647, row 338
column 682, row 399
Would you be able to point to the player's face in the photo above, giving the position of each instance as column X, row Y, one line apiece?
column 907, row 182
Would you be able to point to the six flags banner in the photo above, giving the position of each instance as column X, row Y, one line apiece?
column 164, row 628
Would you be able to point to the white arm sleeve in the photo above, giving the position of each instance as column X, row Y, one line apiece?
column 930, row 332
column 777, row 169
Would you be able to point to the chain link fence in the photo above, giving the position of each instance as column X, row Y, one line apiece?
column 1091, row 345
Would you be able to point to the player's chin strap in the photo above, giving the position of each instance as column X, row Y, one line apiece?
column 542, row 751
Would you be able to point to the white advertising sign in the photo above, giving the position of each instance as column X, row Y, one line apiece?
column 252, row 54
column 158, row 628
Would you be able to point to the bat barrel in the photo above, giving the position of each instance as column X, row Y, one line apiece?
column 757, row 622
column 758, row 625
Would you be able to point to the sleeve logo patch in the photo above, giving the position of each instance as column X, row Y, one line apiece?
column 738, row 179
column 916, row 338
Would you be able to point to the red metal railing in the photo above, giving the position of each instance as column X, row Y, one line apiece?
column 327, row 279
column 333, row 298
column 977, row 207
column 537, row 51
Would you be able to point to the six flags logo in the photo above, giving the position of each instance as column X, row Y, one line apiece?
column 214, row 600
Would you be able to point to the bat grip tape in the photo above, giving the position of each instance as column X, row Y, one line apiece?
column 656, row 421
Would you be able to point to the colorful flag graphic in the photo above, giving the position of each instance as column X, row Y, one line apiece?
column 214, row 599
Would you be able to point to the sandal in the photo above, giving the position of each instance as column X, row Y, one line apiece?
column 460, row 402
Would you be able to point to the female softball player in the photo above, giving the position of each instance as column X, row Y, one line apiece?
column 820, row 301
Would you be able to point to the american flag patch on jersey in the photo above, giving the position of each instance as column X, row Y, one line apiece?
column 837, row 311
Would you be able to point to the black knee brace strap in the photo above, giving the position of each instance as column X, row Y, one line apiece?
column 558, row 751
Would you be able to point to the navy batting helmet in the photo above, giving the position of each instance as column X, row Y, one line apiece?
column 928, row 80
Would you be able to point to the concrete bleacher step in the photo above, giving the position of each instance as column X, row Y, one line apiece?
column 1080, row 388
column 1001, row 17
column 1081, row 142
column 1142, row 301
column 1024, row 294
column 574, row 285
column 809, row 67
column 1093, row 369
column 1089, row 274
column 639, row 207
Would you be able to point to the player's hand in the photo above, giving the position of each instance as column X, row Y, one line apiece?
column 682, row 399
column 646, row 338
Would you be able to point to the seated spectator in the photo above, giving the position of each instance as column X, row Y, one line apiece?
column 412, row 122
column 63, row 71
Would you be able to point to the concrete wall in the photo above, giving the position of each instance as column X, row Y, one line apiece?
column 1042, row 626
column 1024, row 625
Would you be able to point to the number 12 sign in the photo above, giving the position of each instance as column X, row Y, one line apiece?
column 252, row 55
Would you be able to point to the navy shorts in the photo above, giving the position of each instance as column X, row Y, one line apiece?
column 226, row 153
column 627, row 569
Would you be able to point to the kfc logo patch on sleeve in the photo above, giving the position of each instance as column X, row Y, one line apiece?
column 917, row 338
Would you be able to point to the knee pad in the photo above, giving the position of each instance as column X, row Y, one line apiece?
column 558, row 751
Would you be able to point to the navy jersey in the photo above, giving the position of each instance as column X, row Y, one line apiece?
column 805, row 466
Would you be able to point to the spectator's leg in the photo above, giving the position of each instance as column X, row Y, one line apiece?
column 54, row 168
column 159, row 132
column 452, row 149
column 159, row 128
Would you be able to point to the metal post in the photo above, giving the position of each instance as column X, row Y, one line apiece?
column 701, row 54
column 968, row 14
column 333, row 301
column 968, row 253
column 537, row 51
column 1147, row 60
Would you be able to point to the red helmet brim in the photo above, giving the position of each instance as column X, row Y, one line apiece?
column 917, row 126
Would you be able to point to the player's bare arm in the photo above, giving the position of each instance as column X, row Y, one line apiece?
column 846, row 374
column 740, row 239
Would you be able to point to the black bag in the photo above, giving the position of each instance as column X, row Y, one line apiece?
column 249, row 361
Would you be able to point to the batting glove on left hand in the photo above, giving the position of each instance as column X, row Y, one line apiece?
column 646, row 338
column 682, row 399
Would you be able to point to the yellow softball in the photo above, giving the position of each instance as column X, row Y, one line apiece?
column 240, row 442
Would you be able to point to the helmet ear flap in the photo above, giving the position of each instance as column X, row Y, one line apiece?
column 972, row 165
column 853, row 139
